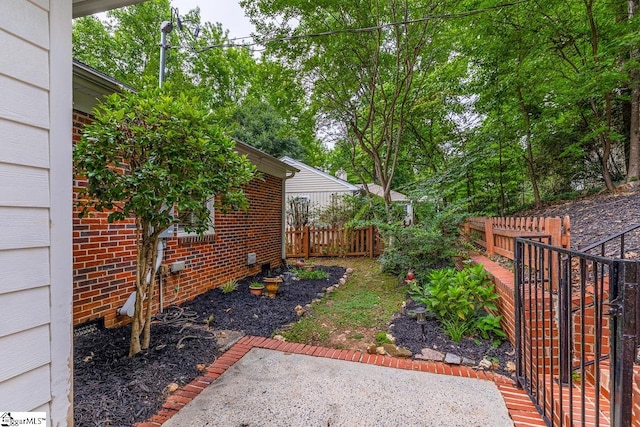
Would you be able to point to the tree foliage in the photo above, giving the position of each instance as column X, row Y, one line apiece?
column 146, row 154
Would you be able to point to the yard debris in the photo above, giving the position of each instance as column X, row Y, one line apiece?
column 170, row 388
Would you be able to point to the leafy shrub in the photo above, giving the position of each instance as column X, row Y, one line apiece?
column 432, row 242
column 460, row 300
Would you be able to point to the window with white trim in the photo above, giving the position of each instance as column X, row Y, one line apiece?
column 185, row 217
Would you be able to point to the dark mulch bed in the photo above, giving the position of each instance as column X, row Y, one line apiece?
column 112, row 390
column 409, row 334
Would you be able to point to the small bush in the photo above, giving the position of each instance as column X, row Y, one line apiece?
column 460, row 299
column 431, row 243
column 230, row 286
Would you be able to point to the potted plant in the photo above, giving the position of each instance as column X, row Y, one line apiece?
column 256, row 288
column 272, row 285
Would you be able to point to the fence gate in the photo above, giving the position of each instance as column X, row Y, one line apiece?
column 575, row 334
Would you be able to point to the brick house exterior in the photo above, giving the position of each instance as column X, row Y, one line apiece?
column 104, row 255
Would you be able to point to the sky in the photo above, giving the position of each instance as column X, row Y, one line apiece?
column 227, row 12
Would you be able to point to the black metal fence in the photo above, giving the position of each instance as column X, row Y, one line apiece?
column 576, row 333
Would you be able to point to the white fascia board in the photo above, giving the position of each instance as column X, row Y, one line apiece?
column 298, row 164
column 264, row 162
column 90, row 7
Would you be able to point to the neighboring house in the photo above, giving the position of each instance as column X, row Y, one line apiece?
column 35, row 204
column 239, row 245
column 396, row 197
column 318, row 187
column 315, row 185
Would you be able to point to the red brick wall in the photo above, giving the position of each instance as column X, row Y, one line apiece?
column 105, row 254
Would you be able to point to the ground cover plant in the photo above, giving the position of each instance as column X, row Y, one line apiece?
column 351, row 316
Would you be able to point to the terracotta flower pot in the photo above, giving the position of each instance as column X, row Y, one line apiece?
column 256, row 291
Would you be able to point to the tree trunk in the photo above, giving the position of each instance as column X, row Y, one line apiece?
column 633, row 169
column 529, row 156
column 146, row 247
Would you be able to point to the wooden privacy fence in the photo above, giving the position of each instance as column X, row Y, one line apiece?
column 333, row 242
column 497, row 235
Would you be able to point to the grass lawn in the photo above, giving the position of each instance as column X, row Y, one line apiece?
column 350, row 317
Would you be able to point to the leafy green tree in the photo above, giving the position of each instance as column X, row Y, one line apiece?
column 146, row 153
column 258, row 124
column 361, row 80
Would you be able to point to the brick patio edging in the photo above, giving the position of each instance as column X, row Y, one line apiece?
column 520, row 408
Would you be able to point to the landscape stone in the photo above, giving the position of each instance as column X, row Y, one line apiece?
column 381, row 351
column 342, row 281
column 453, row 359
column 510, row 367
column 349, row 270
column 278, row 337
column 468, row 362
column 372, row 349
column 485, row 364
column 429, row 354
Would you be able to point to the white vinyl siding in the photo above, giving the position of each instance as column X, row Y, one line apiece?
column 307, row 181
column 35, row 207
column 315, row 185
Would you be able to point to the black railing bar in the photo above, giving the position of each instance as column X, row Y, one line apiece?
column 583, row 342
column 530, row 365
column 540, row 265
column 536, row 328
column 597, row 288
column 597, row 258
column 591, row 362
column 610, row 238
column 518, row 272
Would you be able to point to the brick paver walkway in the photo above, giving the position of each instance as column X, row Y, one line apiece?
column 519, row 405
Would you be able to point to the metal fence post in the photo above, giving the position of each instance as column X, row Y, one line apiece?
column 518, row 272
column 565, row 328
column 623, row 311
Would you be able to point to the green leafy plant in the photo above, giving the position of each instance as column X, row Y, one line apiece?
column 461, row 300
column 489, row 326
column 305, row 274
column 456, row 329
column 229, row 286
column 256, row 285
column 382, row 338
